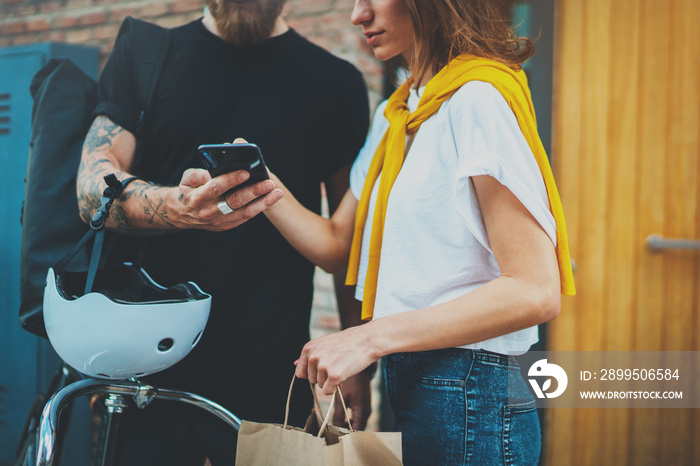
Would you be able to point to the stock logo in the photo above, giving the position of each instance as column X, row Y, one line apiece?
column 551, row 371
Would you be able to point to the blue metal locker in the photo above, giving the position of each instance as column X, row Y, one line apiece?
column 26, row 362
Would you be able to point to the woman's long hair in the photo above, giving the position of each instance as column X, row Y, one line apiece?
column 445, row 29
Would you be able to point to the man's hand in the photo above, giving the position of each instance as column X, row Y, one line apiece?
column 201, row 199
column 358, row 399
column 198, row 202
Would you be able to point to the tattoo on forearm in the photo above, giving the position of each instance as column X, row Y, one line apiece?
column 95, row 164
column 156, row 211
column 122, row 222
column 101, row 135
column 137, row 189
column 119, row 216
column 90, row 188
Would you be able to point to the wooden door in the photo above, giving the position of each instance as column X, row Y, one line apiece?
column 626, row 125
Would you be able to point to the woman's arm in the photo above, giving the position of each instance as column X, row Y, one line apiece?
column 526, row 293
column 323, row 241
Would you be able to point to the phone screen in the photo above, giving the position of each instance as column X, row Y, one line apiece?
column 225, row 158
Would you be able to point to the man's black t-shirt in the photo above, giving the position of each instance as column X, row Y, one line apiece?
column 308, row 112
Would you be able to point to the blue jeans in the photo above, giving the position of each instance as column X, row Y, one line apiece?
column 451, row 407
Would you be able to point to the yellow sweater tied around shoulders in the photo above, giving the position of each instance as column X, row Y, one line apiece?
column 390, row 155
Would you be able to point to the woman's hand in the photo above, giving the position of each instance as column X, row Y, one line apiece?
column 330, row 360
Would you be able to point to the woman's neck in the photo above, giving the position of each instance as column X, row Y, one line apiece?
column 424, row 80
column 408, row 60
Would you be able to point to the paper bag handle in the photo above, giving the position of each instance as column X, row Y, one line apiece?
column 318, row 407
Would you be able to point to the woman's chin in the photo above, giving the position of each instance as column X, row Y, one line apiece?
column 383, row 55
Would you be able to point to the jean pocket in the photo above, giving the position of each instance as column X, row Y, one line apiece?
column 521, row 434
column 438, row 368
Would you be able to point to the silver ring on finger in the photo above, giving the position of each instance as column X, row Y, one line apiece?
column 224, row 208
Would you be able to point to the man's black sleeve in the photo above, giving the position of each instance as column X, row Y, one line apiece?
column 118, row 95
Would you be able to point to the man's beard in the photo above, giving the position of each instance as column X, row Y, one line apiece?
column 246, row 24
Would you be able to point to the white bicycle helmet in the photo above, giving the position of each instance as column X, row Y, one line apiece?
column 128, row 326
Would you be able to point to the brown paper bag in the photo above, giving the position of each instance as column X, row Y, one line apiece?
column 317, row 444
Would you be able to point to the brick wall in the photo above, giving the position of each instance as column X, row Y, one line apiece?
column 96, row 22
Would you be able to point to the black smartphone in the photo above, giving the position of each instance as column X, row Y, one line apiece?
column 224, row 158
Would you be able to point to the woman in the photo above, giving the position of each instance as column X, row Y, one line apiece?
column 455, row 231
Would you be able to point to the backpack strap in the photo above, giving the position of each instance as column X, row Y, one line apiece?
column 113, row 191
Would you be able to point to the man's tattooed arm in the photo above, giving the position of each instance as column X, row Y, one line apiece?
column 109, row 148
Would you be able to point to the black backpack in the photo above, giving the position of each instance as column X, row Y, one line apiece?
column 64, row 99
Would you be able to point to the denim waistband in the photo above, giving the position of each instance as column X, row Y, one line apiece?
column 477, row 355
column 494, row 358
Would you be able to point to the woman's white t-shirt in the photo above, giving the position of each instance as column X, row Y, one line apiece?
column 435, row 246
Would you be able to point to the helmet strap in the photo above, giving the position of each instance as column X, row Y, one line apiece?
column 113, row 191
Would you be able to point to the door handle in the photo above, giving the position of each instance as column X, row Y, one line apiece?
column 656, row 242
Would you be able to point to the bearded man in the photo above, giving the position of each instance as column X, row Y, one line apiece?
column 239, row 71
